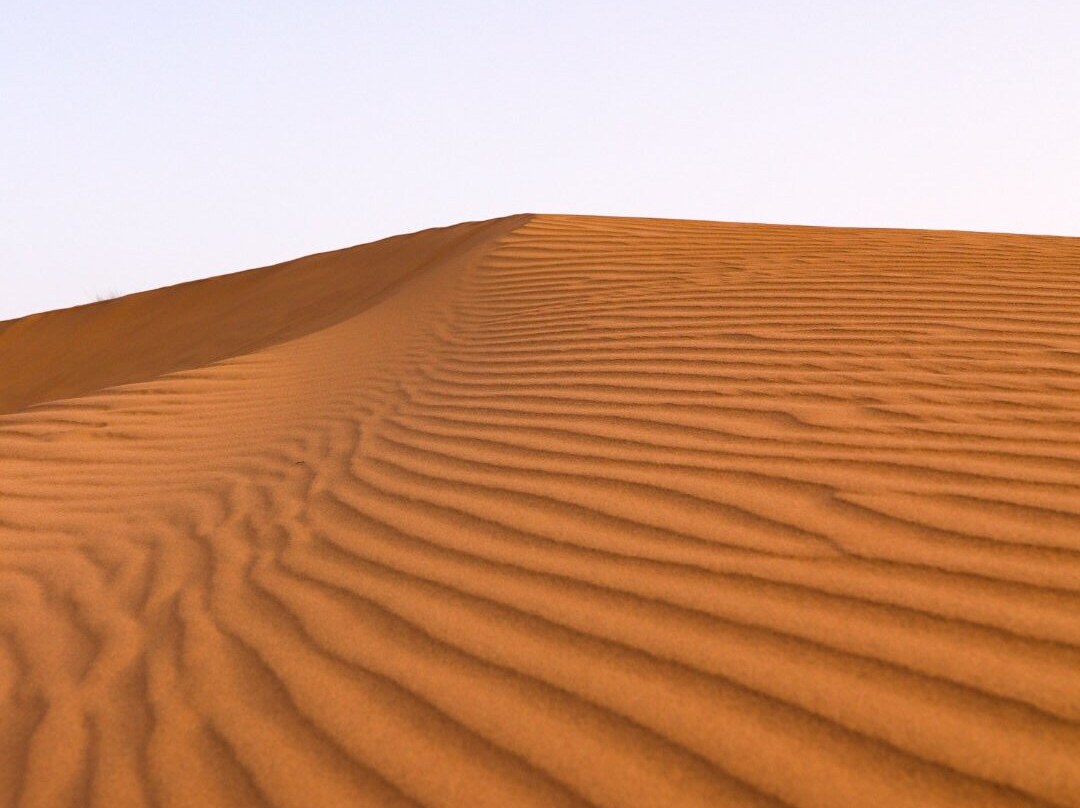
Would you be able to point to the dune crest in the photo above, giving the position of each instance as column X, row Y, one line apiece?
column 553, row 511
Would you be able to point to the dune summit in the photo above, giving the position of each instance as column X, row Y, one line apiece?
column 553, row 511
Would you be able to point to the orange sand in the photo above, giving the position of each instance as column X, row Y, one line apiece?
column 552, row 511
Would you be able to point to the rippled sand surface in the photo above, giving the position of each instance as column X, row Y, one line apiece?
column 553, row 511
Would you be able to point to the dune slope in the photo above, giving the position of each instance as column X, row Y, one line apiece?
column 553, row 511
column 67, row 353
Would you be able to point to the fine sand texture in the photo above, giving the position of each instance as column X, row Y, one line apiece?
column 552, row 511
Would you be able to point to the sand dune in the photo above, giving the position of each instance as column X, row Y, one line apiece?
column 553, row 511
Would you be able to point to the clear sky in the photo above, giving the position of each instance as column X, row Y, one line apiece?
column 144, row 143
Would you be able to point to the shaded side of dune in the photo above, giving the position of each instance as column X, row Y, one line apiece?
column 71, row 352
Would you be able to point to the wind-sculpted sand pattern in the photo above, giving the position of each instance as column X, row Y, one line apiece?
column 578, row 511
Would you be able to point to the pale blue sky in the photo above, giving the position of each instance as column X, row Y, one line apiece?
column 145, row 143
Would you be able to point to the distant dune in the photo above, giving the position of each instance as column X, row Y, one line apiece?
column 552, row 511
